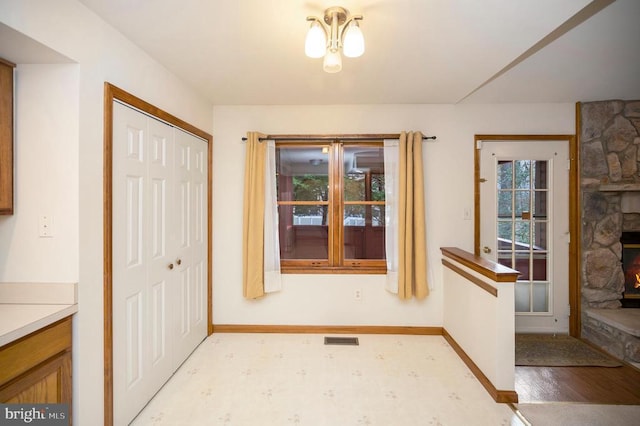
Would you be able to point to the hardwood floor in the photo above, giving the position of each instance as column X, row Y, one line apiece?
column 598, row 385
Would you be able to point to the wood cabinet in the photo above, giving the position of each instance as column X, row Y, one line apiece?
column 6, row 137
column 37, row 367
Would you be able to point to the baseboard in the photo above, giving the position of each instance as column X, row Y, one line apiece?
column 503, row 396
column 329, row 329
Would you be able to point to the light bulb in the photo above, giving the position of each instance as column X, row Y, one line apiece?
column 332, row 62
column 353, row 45
column 315, row 44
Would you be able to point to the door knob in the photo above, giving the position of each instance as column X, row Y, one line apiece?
column 486, row 249
column 171, row 266
column 179, row 262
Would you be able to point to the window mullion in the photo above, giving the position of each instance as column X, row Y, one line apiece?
column 337, row 206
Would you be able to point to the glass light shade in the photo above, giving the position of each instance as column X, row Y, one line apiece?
column 315, row 45
column 332, row 62
column 353, row 45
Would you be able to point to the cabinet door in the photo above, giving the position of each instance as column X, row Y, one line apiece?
column 6, row 138
column 50, row 382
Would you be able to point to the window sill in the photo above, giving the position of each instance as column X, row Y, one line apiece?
column 332, row 270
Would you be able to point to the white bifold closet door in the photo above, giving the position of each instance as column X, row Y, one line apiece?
column 159, row 254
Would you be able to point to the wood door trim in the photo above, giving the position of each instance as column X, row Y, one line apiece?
column 574, row 204
column 112, row 93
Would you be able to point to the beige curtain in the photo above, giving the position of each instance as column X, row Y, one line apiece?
column 253, row 224
column 412, row 251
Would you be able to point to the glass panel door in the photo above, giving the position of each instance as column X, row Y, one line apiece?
column 522, row 235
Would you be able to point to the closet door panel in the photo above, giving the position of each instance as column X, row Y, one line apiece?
column 130, row 360
column 141, row 181
column 160, row 240
column 190, row 170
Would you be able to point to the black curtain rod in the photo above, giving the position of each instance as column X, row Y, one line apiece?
column 331, row 138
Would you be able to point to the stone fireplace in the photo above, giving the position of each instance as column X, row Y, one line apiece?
column 610, row 191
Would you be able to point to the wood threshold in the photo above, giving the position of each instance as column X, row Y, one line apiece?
column 501, row 396
column 333, row 329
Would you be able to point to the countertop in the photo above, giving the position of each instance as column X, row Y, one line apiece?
column 28, row 307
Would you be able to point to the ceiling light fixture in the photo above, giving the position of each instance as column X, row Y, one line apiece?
column 327, row 40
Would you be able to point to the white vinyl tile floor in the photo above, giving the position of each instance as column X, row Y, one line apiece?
column 294, row 379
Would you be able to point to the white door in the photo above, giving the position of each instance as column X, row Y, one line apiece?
column 154, row 282
column 191, row 261
column 524, row 224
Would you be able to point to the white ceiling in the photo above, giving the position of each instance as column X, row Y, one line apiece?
column 417, row 51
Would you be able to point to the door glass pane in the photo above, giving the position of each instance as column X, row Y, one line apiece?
column 303, row 232
column 505, row 235
column 522, row 169
column 540, row 174
column 505, row 175
column 540, row 261
column 505, row 200
column 522, row 265
column 523, row 203
column 522, row 297
column 522, row 235
column 540, row 295
column 540, row 204
column 504, row 258
column 540, row 235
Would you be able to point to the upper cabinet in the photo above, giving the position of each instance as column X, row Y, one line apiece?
column 6, row 137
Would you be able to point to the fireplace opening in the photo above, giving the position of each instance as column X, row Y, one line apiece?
column 631, row 268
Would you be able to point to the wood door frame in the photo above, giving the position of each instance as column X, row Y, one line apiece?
column 112, row 93
column 574, row 213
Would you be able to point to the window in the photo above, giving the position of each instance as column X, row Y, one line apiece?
column 331, row 198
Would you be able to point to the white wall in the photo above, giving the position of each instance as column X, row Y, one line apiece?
column 46, row 177
column 482, row 324
column 102, row 54
column 329, row 299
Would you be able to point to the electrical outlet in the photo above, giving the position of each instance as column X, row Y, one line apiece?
column 357, row 294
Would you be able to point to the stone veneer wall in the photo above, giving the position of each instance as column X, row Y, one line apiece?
column 610, row 190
